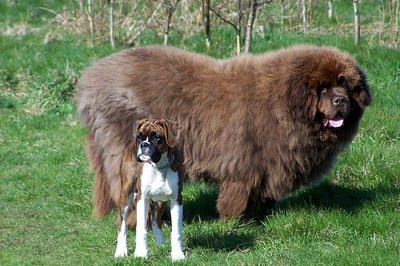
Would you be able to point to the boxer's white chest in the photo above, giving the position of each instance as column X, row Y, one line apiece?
column 159, row 184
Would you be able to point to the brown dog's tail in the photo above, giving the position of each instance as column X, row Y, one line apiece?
column 102, row 200
column 106, row 105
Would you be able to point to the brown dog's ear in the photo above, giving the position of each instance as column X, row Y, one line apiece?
column 171, row 129
column 302, row 98
column 362, row 93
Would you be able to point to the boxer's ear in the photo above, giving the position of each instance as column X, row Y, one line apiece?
column 171, row 129
column 140, row 123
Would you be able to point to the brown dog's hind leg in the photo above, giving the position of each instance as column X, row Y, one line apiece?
column 258, row 208
column 232, row 199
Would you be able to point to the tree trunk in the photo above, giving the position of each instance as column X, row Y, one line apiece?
column 100, row 22
column 90, row 18
column 235, row 24
column 206, row 20
column 356, row 21
column 299, row 8
column 304, row 15
column 145, row 26
column 252, row 9
column 111, row 23
column 166, row 32
column 239, row 27
column 81, row 7
column 186, row 17
column 282, row 15
column 171, row 7
column 396, row 27
column 330, row 9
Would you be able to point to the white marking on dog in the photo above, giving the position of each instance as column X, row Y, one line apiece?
column 122, row 245
column 143, row 157
column 159, row 183
column 142, row 210
column 176, row 234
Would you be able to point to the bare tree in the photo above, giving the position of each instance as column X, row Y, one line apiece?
column 90, row 19
column 304, row 15
column 312, row 4
column 111, row 23
column 170, row 7
column 237, row 26
column 124, row 21
column 206, row 20
column 81, row 7
column 244, row 9
column 282, row 2
column 252, row 11
column 356, row 21
column 330, row 9
column 252, row 7
column 396, row 28
column 136, row 30
column 101, row 11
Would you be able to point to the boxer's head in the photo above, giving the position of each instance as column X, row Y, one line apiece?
column 154, row 138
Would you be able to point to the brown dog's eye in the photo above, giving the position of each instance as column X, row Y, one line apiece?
column 341, row 80
column 323, row 92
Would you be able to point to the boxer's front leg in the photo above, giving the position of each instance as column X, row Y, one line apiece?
column 142, row 210
column 176, row 234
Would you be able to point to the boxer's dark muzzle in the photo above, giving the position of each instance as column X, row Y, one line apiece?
column 148, row 152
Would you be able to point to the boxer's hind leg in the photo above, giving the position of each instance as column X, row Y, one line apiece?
column 157, row 213
column 122, row 244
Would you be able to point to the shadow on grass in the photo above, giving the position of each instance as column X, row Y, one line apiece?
column 223, row 241
column 331, row 196
column 202, row 207
column 326, row 196
column 323, row 196
column 220, row 236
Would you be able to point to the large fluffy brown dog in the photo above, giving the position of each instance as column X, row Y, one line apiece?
column 261, row 126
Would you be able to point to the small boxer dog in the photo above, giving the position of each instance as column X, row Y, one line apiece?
column 159, row 180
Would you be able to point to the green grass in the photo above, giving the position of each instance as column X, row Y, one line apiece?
column 352, row 218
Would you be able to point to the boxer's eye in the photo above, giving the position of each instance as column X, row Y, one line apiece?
column 138, row 138
column 156, row 138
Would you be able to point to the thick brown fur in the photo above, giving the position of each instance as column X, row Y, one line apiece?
column 252, row 123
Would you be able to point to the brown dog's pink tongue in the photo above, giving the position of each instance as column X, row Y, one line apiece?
column 335, row 123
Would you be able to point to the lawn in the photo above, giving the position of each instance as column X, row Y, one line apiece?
column 351, row 218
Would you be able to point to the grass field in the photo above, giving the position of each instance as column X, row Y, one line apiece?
column 352, row 218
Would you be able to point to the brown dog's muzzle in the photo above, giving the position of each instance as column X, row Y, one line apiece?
column 335, row 106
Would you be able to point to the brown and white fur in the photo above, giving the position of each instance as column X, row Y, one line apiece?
column 159, row 182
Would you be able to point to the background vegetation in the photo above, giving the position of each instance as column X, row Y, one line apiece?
column 45, row 183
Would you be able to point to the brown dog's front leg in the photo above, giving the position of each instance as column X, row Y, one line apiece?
column 232, row 199
column 258, row 208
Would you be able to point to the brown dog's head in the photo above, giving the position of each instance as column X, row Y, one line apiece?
column 154, row 138
column 329, row 89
